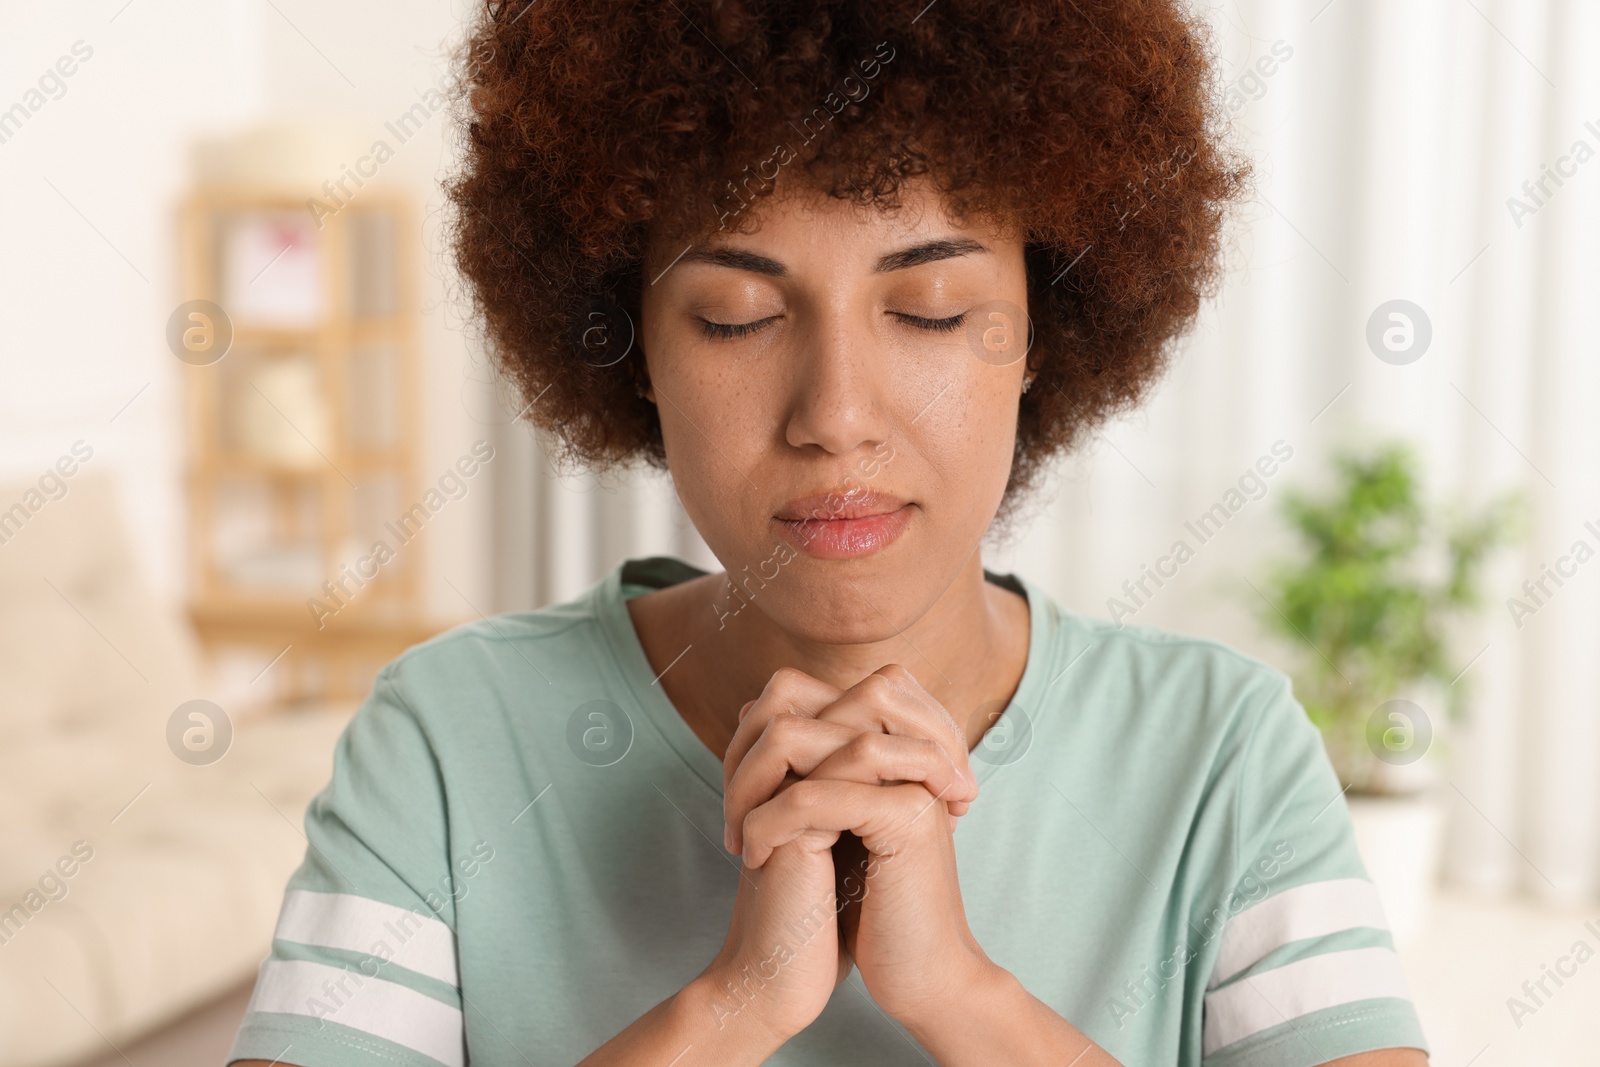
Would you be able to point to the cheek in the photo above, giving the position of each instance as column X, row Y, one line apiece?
column 969, row 445
column 713, row 427
column 715, row 430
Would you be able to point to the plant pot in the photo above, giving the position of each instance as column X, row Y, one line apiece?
column 1400, row 838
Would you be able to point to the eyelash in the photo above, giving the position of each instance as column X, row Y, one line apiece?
column 729, row 330
column 949, row 325
column 732, row 330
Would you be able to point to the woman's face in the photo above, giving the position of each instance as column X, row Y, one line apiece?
column 838, row 395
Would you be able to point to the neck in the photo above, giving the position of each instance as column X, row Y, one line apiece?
column 967, row 648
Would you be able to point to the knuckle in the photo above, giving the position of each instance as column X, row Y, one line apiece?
column 879, row 686
column 785, row 727
column 871, row 745
column 805, row 795
column 785, row 680
column 884, row 680
column 897, row 674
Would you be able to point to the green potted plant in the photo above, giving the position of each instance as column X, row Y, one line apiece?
column 1368, row 603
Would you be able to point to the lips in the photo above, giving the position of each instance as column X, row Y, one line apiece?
column 840, row 504
column 844, row 524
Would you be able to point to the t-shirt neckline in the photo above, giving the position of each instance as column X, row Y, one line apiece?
column 658, row 572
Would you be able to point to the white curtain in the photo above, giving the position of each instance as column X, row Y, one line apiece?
column 1390, row 140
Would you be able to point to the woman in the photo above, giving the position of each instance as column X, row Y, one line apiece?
column 853, row 273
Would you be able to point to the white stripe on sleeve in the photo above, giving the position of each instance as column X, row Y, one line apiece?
column 356, row 924
column 1285, row 993
column 384, row 1009
column 1312, row 910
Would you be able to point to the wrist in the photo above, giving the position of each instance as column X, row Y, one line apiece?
column 980, row 984
column 998, row 1021
column 736, row 1028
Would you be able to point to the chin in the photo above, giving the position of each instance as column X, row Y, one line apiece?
column 851, row 601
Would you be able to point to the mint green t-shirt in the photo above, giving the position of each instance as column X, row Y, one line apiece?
column 520, row 852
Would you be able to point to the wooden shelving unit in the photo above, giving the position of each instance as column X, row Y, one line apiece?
column 304, row 437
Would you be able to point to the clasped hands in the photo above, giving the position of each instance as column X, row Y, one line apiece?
column 843, row 804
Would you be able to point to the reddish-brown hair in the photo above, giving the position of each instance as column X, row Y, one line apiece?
column 1093, row 126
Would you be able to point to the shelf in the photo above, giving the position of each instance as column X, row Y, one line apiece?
column 247, row 334
column 377, row 616
column 302, row 439
column 377, row 462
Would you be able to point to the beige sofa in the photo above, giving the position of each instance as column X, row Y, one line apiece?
column 134, row 886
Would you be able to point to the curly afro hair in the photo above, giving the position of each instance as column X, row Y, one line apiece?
column 1093, row 127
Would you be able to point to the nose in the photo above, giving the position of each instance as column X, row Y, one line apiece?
column 839, row 389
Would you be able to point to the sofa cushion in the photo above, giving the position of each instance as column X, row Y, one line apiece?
column 133, row 886
column 83, row 643
column 177, row 898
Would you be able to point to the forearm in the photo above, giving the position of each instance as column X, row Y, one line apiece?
column 686, row 1030
column 998, row 1021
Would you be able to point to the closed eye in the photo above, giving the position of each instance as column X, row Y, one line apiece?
column 937, row 325
column 728, row 330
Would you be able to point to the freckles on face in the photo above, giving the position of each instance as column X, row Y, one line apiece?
column 838, row 392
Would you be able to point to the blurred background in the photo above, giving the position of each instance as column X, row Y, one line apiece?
column 249, row 452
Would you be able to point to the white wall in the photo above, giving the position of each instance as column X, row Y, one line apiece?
column 82, row 313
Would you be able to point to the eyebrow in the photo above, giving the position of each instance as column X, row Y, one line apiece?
column 916, row 255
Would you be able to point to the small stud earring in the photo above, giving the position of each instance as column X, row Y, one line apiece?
column 1027, row 383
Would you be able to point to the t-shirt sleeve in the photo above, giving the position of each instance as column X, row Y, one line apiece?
column 363, row 962
column 1305, row 969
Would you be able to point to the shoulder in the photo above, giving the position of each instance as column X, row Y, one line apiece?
column 1186, row 720
column 528, row 637
column 456, row 681
column 1179, row 679
column 1209, row 736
